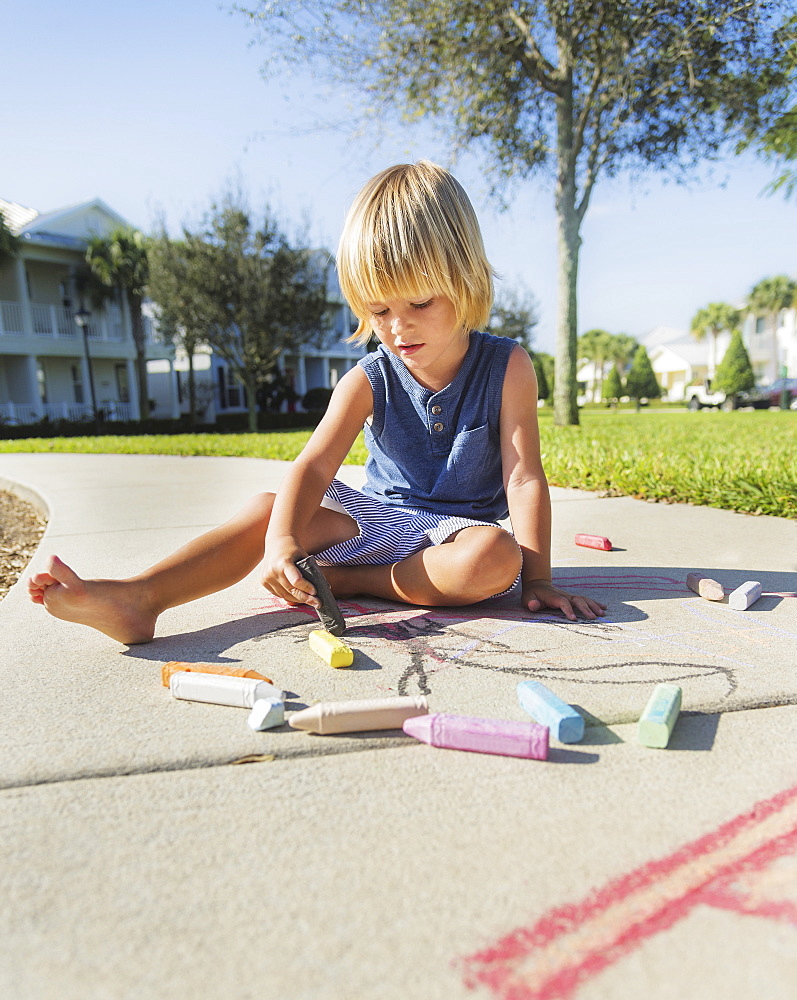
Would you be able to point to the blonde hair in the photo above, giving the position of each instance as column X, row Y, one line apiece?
column 412, row 231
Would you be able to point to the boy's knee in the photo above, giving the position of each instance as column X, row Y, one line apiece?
column 492, row 560
column 259, row 507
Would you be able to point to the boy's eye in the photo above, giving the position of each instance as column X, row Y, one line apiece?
column 379, row 312
column 422, row 305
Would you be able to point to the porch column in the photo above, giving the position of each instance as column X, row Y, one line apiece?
column 24, row 298
column 132, row 388
column 173, row 390
column 32, row 382
column 301, row 376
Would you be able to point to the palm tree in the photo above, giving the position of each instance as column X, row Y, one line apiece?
column 767, row 298
column 622, row 348
column 594, row 346
column 120, row 260
column 9, row 243
column 713, row 319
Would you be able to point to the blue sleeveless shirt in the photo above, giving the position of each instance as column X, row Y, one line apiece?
column 439, row 451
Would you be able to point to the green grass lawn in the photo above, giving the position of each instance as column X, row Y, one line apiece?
column 738, row 461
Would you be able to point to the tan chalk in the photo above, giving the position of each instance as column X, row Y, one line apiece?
column 358, row 716
column 331, row 649
column 705, row 587
column 177, row 666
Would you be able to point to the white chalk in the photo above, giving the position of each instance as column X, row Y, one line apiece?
column 744, row 596
column 216, row 689
column 266, row 713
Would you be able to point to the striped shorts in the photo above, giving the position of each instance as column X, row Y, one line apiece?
column 388, row 533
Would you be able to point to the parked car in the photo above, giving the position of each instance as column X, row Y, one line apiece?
column 765, row 396
column 773, row 392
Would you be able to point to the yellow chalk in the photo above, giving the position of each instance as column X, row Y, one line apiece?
column 330, row 648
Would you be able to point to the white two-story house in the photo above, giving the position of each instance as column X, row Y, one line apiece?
column 51, row 368
column 49, row 364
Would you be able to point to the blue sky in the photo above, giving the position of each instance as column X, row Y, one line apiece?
column 156, row 107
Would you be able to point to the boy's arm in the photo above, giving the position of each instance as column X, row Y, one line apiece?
column 527, row 493
column 302, row 489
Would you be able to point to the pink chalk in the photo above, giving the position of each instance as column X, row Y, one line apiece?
column 464, row 732
column 594, row 542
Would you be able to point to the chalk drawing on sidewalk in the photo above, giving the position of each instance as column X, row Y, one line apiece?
column 747, row 866
column 507, row 640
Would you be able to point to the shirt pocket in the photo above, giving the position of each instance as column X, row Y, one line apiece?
column 476, row 461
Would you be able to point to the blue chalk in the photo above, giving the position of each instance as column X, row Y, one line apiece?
column 564, row 722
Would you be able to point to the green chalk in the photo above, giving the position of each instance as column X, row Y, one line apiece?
column 661, row 712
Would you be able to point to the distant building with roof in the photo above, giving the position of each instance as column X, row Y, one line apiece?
column 44, row 356
column 46, row 363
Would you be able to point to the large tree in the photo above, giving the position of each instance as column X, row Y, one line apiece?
column 119, row 260
column 711, row 321
column 515, row 314
column 777, row 139
column 578, row 87
column 182, row 313
column 255, row 294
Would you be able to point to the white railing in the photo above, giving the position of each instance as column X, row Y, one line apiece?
column 17, row 413
column 68, row 411
column 58, row 322
column 14, row 414
column 113, row 410
column 11, row 320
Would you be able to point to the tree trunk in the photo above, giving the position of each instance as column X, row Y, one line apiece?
column 192, row 415
column 137, row 323
column 565, row 405
column 251, row 404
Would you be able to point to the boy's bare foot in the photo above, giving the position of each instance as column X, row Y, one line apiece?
column 113, row 607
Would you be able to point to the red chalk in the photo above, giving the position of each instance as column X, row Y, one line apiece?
column 594, row 542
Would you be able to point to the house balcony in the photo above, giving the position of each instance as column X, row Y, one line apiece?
column 56, row 322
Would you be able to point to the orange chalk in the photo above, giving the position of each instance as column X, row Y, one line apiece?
column 173, row 666
column 594, row 542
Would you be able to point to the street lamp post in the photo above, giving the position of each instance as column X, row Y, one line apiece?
column 82, row 319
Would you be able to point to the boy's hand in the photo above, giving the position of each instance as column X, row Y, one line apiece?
column 539, row 595
column 280, row 575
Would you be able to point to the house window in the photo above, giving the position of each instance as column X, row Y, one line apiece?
column 122, row 384
column 77, row 383
column 760, row 324
column 229, row 389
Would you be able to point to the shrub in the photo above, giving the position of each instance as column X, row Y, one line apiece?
column 317, row 399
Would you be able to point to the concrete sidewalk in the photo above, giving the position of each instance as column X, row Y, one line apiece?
column 141, row 863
